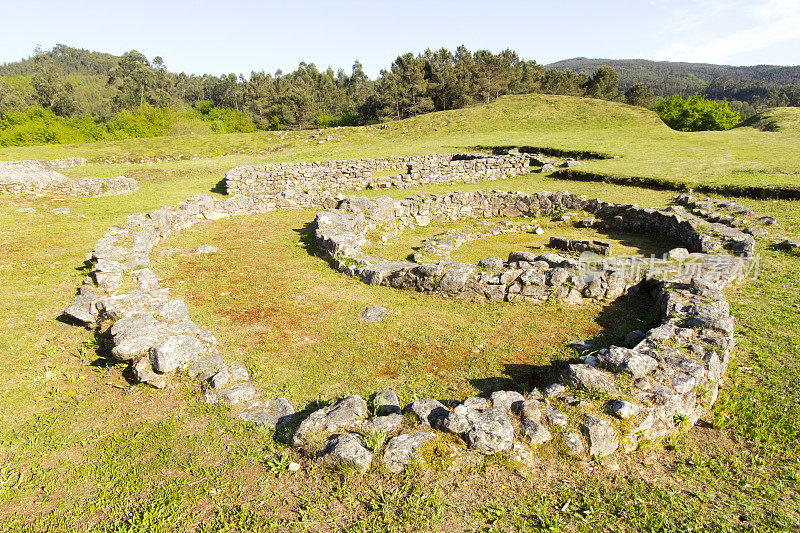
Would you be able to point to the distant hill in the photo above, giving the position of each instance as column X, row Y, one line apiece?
column 66, row 61
column 668, row 77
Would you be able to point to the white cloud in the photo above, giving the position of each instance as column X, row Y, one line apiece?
column 703, row 31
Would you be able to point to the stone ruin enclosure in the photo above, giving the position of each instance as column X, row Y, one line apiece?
column 39, row 177
column 610, row 400
column 305, row 182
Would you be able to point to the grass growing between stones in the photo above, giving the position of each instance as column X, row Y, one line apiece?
column 81, row 449
column 407, row 242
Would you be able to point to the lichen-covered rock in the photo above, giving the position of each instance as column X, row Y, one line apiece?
column 573, row 443
column 386, row 403
column 239, row 393
column 373, row 313
column 347, row 448
column 400, row 450
column 507, row 400
column 339, row 415
column 209, row 364
column 429, row 412
column 387, row 423
column 143, row 373
column 535, row 432
column 458, row 420
column 476, row 402
column 491, row 430
column 176, row 351
column 229, row 376
column 269, row 413
column 173, row 311
column 623, row 409
column 80, row 308
column 553, row 389
column 590, row 379
column 491, row 263
column 554, row 417
column 603, row 439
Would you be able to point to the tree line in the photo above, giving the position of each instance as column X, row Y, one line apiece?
column 94, row 96
column 304, row 98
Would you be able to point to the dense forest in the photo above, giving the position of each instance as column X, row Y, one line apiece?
column 758, row 86
column 72, row 95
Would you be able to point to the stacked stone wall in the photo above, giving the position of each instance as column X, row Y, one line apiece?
column 36, row 177
column 356, row 174
column 616, row 398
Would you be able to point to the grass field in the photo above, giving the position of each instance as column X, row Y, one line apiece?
column 83, row 450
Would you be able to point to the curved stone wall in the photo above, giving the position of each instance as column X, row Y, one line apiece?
column 613, row 399
column 36, row 178
column 341, row 233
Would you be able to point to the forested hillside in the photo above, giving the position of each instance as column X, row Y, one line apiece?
column 65, row 85
column 759, row 85
column 68, row 95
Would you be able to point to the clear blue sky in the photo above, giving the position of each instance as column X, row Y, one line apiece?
column 245, row 35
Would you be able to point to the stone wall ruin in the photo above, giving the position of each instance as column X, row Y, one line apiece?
column 36, row 177
column 357, row 174
column 610, row 400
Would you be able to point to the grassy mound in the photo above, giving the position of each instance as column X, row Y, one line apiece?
column 780, row 119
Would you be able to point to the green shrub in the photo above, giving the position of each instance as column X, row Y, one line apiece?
column 38, row 126
column 696, row 114
column 224, row 120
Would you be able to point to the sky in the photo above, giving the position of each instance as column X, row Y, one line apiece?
column 242, row 36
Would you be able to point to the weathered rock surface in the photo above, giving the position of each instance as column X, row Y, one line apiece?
column 590, row 379
column 347, row 448
column 373, row 313
column 269, row 413
column 603, row 439
column 330, row 419
column 507, row 400
column 400, row 450
column 386, row 403
column 535, row 432
column 429, row 412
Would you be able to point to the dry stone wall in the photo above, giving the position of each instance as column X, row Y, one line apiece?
column 611, row 400
column 525, row 276
column 66, row 162
column 37, row 178
column 356, row 174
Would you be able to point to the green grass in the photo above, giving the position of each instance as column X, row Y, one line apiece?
column 645, row 146
column 81, row 449
column 294, row 321
column 401, row 246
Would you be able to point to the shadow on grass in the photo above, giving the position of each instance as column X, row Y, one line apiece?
column 637, row 310
column 306, row 235
column 220, row 187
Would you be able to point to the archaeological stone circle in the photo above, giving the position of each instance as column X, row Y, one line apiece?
column 40, row 177
column 611, row 401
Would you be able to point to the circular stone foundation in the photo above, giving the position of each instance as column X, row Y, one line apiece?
column 611, row 400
